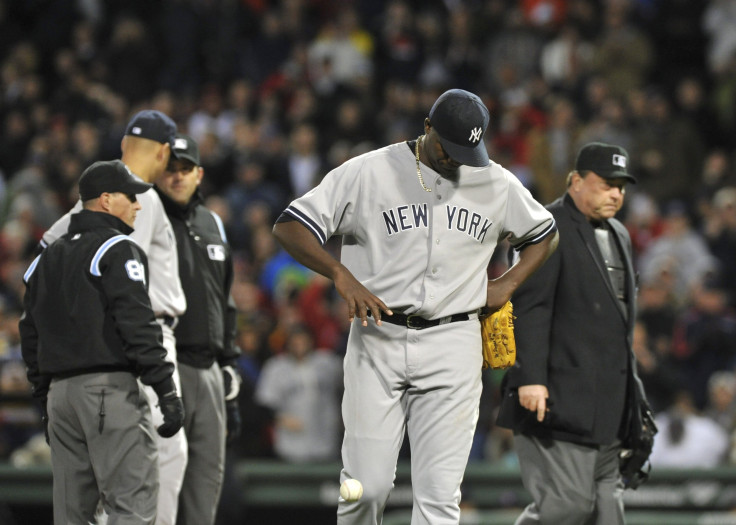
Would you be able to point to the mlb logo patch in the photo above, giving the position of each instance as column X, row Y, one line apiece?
column 136, row 130
column 216, row 252
column 180, row 143
column 619, row 160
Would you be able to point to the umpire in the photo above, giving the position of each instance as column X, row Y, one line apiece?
column 87, row 332
column 574, row 388
column 205, row 334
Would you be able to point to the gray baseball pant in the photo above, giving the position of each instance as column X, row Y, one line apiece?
column 172, row 452
column 570, row 483
column 203, row 393
column 427, row 382
column 102, row 447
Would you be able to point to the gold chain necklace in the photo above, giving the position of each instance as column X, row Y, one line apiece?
column 419, row 171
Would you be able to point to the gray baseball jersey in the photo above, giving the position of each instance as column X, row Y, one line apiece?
column 425, row 253
column 153, row 233
column 421, row 252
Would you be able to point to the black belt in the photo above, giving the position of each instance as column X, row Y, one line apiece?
column 168, row 320
column 416, row 322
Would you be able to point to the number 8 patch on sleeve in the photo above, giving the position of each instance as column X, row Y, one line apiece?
column 136, row 271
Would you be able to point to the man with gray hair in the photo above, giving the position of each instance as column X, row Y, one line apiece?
column 572, row 394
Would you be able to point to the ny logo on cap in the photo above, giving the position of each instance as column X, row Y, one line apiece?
column 475, row 134
column 619, row 160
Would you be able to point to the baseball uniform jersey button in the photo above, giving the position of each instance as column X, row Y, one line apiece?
column 434, row 270
column 439, row 197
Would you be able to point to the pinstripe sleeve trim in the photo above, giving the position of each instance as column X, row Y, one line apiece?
column 307, row 222
column 94, row 268
column 549, row 230
column 220, row 226
column 31, row 268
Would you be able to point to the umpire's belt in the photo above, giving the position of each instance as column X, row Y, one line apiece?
column 416, row 322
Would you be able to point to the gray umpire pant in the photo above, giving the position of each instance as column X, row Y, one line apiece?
column 203, row 394
column 570, row 483
column 102, row 448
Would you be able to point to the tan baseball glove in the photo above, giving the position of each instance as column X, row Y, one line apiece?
column 499, row 345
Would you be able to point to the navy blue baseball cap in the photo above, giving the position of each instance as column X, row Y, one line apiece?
column 460, row 119
column 153, row 125
column 606, row 160
column 109, row 176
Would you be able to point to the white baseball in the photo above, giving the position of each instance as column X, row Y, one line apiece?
column 351, row 490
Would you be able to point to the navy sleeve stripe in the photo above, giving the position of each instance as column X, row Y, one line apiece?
column 307, row 222
column 537, row 238
column 94, row 267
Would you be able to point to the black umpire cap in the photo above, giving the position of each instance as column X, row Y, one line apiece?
column 186, row 148
column 153, row 125
column 606, row 160
column 109, row 176
column 460, row 119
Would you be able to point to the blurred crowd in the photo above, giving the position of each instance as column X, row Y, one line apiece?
column 279, row 92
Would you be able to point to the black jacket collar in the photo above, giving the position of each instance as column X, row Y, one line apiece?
column 174, row 209
column 87, row 220
column 575, row 212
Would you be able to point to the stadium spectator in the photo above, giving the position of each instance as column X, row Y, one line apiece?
column 303, row 387
column 682, row 433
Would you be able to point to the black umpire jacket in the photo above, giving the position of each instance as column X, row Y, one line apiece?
column 573, row 336
column 206, row 331
column 86, row 307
